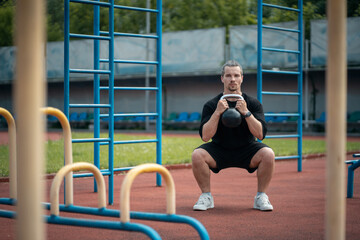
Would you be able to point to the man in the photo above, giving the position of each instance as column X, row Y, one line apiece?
column 233, row 147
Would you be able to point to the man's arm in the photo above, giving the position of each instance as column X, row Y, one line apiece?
column 210, row 127
column 254, row 125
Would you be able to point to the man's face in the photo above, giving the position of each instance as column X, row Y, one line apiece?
column 232, row 79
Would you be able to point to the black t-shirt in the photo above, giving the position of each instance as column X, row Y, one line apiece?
column 240, row 136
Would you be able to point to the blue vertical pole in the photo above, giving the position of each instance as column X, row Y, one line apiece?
column 96, row 89
column 159, row 87
column 66, row 57
column 111, row 102
column 259, row 51
column 300, row 83
column 66, row 65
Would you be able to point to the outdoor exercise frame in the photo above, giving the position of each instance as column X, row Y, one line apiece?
column 96, row 71
column 298, row 73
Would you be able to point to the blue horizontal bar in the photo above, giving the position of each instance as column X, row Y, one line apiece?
column 281, row 93
column 131, row 88
column 131, row 115
column 90, row 71
column 80, row 175
column 131, row 61
column 281, row 29
column 281, row 7
column 89, row 36
column 287, row 157
column 134, row 141
column 280, row 72
column 122, row 169
column 104, row 4
column 89, row 105
column 283, row 136
column 282, row 114
column 136, row 9
column 280, row 50
column 86, row 140
column 135, row 35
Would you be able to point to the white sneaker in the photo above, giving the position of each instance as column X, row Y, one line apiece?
column 205, row 202
column 262, row 203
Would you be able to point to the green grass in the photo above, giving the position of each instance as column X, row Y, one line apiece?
column 175, row 150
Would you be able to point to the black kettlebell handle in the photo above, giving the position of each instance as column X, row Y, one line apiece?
column 232, row 95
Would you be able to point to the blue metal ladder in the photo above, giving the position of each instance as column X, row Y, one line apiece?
column 109, row 36
column 298, row 73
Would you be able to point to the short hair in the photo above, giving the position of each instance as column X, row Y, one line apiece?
column 231, row 63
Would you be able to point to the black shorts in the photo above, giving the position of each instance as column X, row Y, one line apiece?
column 226, row 158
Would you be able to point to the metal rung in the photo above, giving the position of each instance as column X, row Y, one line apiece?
column 280, row 72
column 287, row 157
column 89, row 105
column 103, row 172
column 89, row 71
column 122, row 169
column 280, row 50
column 131, row 88
column 136, row 9
column 282, row 114
column 281, row 7
column 88, row 36
column 130, row 35
column 104, row 4
column 131, row 61
column 283, row 136
column 87, row 140
column 131, row 115
column 132, row 141
column 281, row 29
column 281, row 93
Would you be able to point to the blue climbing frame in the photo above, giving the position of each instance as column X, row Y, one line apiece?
column 109, row 36
column 298, row 73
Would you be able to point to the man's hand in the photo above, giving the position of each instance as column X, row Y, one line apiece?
column 241, row 106
column 221, row 106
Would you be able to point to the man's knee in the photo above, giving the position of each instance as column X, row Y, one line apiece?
column 200, row 156
column 268, row 156
column 265, row 156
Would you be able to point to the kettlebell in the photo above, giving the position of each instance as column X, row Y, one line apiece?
column 231, row 118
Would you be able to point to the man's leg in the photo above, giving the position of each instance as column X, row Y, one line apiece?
column 201, row 163
column 264, row 160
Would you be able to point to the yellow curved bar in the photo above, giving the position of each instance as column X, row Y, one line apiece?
column 12, row 151
column 129, row 179
column 55, row 186
column 69, row 199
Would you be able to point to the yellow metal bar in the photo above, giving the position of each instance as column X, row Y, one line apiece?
column 12, row 151
column 55, row 186
column 69, row 193
column 129, row 179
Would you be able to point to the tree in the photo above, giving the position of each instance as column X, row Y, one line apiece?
column 6, row 23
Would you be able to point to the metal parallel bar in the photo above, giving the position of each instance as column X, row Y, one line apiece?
column 85, row 36
column 103, row 4
column 131, row 61
column 111, row 102
column 287, row 157
column 87, row 140
column 92, row 71
column 280, row 72
column 136, row 9
column 132, row 88
column 281, row 93
column 66, row 57
column 283, row 136
column 280, row 7
column 96, row 91
column 280, row 50
column 137, row 141
column 135, row 35
column 95, row 105
column 159, row 86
